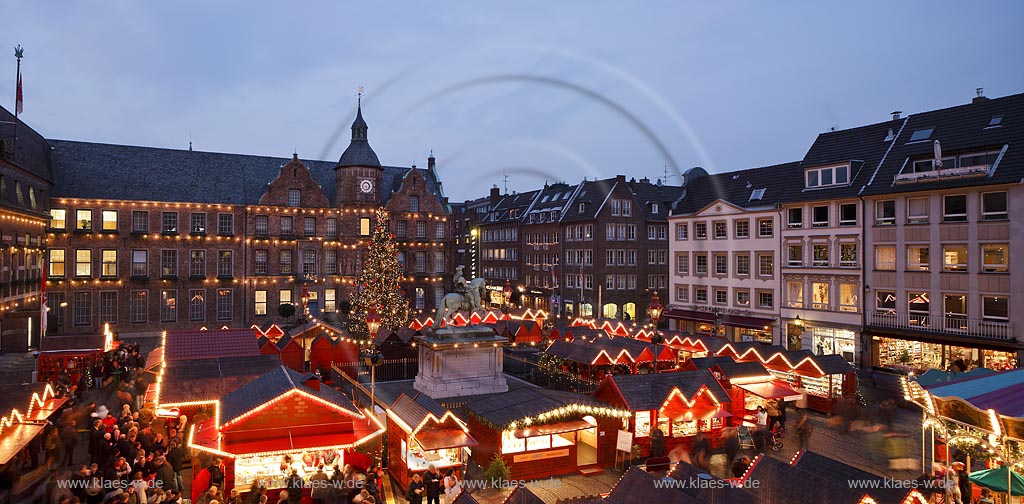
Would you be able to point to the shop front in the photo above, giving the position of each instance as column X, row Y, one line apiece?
column 821, row 379
column 541, row 433
column 422, row 433
column 829, row 341
column 281, row 422
column 907, row 354
column 495, row 295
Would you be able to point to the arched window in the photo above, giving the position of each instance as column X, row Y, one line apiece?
column 629, row 309
column 32, row 198
column 611, row 310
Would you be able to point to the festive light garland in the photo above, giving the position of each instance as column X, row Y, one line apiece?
column 379, row 284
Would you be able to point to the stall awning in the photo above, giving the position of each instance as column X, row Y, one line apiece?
column 16, row 438
column 446, row 438
column 701, row 316
column 555, row 428
column 747, row 322
column 772, row 390
column 287, row 439
column 49, row 407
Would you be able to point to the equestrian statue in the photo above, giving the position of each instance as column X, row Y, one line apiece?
column 466, row 297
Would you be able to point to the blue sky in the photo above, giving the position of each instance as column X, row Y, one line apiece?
column 535, row 90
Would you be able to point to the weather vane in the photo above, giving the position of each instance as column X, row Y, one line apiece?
column 359, row 94
column 19, row 52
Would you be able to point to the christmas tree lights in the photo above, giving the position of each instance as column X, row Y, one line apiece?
column 379, row 284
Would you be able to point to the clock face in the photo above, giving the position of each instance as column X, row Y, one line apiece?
column 365, row 186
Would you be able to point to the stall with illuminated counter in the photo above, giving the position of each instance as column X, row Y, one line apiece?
column 74, row 354
column 422, row 433
column 540, row 432
column 819, row 381
column 281, row 421
column 679, row 404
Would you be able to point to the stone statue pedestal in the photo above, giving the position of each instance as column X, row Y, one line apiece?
column 460, row 361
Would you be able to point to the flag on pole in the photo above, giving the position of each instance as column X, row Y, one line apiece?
column 43, row 316
column 19, row 102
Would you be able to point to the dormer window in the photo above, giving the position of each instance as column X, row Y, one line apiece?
column 756, row 194
column 583, row 207
column 995, row 122
column 827, row 176
column 973, row 163
column 654, row 208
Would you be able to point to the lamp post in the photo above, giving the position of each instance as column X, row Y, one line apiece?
column 303, row 319
column 718, row 324
column 655, row 309
column 373, row 356
column 795, row 332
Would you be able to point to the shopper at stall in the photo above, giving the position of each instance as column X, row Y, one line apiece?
column 432, row 482
column 294, row 486
column 772, row 410
column 803, row 431
column 319, row 488
column 416, row 490
column 762, row 418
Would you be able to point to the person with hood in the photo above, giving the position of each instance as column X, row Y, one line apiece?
column 164, row 474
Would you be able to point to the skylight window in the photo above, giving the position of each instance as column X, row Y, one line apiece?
column 544, row 199
column 757, row 194
column 921, row 134
column 995, row 122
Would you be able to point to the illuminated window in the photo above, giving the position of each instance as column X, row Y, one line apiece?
column 197, row 305
column 109, row 220
column 198, row 223
column 330, row 303
column 364, row 226
column 285, row 261
column 261, row 302
column 197, row 263
column 917, row 258
column 225, row 264
column 83, row 220
column 83, row 263
column 108, row 263
column 168, row 305
column 58, row 218
column 995, row 258
column 819, row 294
column 954, row 257
column 885, row 258
column 56, row 263
column 284, row 296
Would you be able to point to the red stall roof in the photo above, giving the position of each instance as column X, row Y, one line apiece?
column 772, row 390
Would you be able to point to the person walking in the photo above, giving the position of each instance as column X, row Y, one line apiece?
column 294, row 486
column 69, row 438
column 416, row 490
column 772, row 410
column 51, row 445
column 731, row 445
column 319, row 488
column 803, row 431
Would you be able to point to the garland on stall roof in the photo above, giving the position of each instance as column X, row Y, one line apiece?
column 564, row 413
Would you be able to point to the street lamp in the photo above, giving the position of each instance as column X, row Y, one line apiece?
column 718, row 324
column 796, row 330
column 506, row 292
column 655, row 309
column 373, row 356
column 373, row 323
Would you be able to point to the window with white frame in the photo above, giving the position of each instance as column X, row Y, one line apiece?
column 848, row 214
column 995, row 308
column 309, row 262
column 197, row 223
column 140, row 221
column 58, row 219
column 765, row 299
column 83, row 308
column 108, row 263
column 819, row 216
column 848, row 298
column 918, row 306
column 331, row 262
column 795, row 294
column 260, row 307
column 225, row 224
column 284, row 296
column 285, row 260
column 682, row 264
column 700, row 263
column 294, row 197
column 168, row 306
column 260, row 260
column 286, row 226
column 83, row 220
column 885, row 258
column 848, row 255
column 820, row 256
column 885, row 301
column 700, row 230
column 169, row 221
column 140, row 263
column 721, row 296
column 197, row 305
column 917, row 211
column 108, row 307
column 742, row 297
column 954, row 257
column 108, row 220
column 954, row 208
column 827, row 176
column 261, row 225
column 765, row 265
column 917, row 258
column 742, row 227
column 796, row 217
column 331, row 227
column 83, row 263
column 795, row 255
column 683, row 293
column 139, row 307
column 993, row 206
column 197, row 263
column 885, row 213
column 765, row 228
column 721, row 264
column 168, row 263
column 225, row 264
column 995, row 258
column 225, row 306
column 56, row 263
column 743, row 263
column 721, row 230
column 309, row 226
column 819, row 295
column 682, row 231
column 421, row 229
column 700, row 294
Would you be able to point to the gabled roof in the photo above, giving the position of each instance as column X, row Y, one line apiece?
column 637, row 485
column 646, row 193
column 274, row 384
column 522, row 495
column 500, row 212
column 841, row 474
column 210, row 379
column 189, row 345
column 780, row 182
column 961, row 129
column 507, row 407
column 552, row 197
column 592, row 193
column 649, row 392
column 785, row 484
column 33, row 152
column 84, row 169
column 412, row 410
column 731, row 368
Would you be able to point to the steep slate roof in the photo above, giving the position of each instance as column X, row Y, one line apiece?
column 731, row 368
column 718, row 492
column 781, row 182
column 211, row 379
column 522, row 495
column 591, row 192
column 863, row 148
column 500, row 212
column 32, row 151
column 785, row 484
column 507, row 407
column 649, row 392
column 646, row 193
column 272, row 385
column 552, row 197
column 188, row 345
column 959, row 130
column 637, row 485
column 85, row 169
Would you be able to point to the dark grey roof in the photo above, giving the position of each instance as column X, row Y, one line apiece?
column 833, row 364
column 552, row 197
column 32, row 151
column 784, row 484
column 731, row 368
column 863, row 148
column 637, row 485
column 211, row 379
column 270, row 386
column 464, row 497
column 716, row 492
column 412, row 410
column 519, row 201
column 840, row 474
column 647, row 193
column 507, row 407
column 782, row 182
column 85, row 170
column 961, row 129
column 649, row 392
column 522, row 495
column 592, row 194
column 359, row 153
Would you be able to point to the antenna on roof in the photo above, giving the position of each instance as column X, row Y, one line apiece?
column 505, row 178
column 190, row 142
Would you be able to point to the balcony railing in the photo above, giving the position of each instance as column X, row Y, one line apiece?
column 948, row 324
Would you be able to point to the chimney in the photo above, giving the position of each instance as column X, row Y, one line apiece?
column 431, row 161
column 980, row 98
column 620, row 178
column 896, row 114
column 312, row 382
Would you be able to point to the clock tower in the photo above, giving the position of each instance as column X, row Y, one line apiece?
column 358, row 173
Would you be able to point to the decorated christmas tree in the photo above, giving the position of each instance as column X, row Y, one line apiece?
column 378, row 286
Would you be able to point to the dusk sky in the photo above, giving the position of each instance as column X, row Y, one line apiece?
column 535, row 90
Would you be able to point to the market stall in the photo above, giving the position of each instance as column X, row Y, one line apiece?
column 823, row 378
column 72, row 353
column 26, row 410
column 679, row 404
column 422, row 433
column 541, row 433
column 280, row 422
